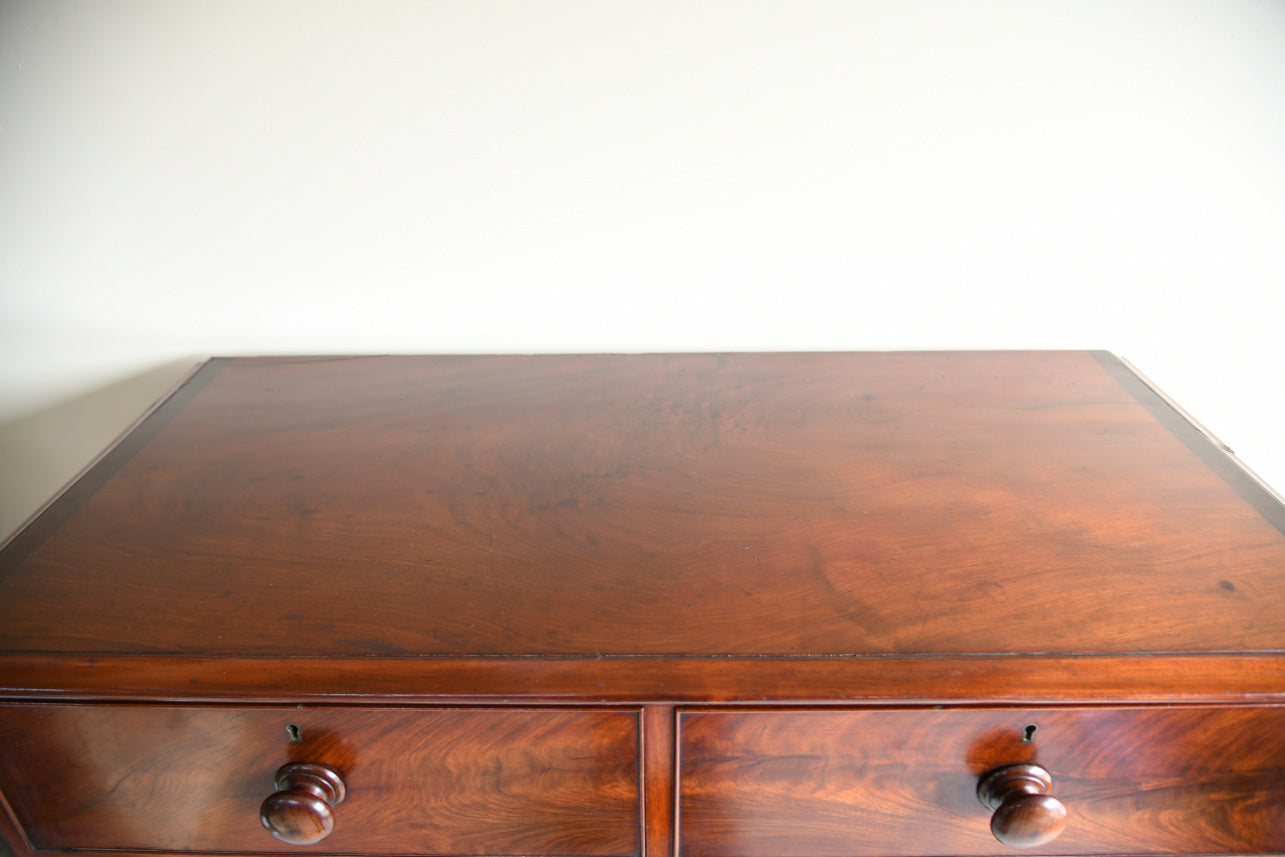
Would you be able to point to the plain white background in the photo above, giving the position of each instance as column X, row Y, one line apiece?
column 180, row 179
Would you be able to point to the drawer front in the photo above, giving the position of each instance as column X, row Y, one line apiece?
column 418, row 781
column 902, row 782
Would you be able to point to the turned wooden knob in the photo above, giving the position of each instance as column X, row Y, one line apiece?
column 300, row 812
column 1025, row 814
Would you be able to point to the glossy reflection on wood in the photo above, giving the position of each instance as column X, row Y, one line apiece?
column 301, row 811
column 515, row 781
column 654, row 505
column 883, row 783
column 1024, row 814
column 484, row 592
column 1157, row 678
column 658, row 725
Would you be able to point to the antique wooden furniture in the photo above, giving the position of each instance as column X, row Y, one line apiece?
column 710, row 605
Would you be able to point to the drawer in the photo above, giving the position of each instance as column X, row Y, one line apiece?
column 897, row 782
column 417, row 781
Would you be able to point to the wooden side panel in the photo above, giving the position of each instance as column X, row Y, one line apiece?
column 867, row 783
column 442, row 782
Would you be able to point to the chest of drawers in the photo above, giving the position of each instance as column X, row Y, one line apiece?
column 792, row 605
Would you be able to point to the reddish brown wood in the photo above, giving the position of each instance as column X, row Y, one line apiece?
column 301, row 811
column 1018, row 680
column 82, row 484
column 10, row 831
column 1024, row 814
column 672, row 494
column 459, row 781
column 1134, row 780
column 827, row 531
column 659, row 724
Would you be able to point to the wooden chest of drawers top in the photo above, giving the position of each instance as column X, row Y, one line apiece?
column 751, row 605
column 665, row 527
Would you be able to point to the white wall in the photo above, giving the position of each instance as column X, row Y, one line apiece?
column 188, row 178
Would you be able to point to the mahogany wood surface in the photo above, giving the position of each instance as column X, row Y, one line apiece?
column 454, row 781
column 659, row 724
column 301, row 810
column 655, row 506
column 717, row 605
column 1134, row 780
column 1023, row 813
column 569, row 681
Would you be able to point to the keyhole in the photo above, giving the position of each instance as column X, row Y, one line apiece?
column 295, row 733
column 1028, row 734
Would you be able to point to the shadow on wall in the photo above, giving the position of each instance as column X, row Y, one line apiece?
column 42, row 452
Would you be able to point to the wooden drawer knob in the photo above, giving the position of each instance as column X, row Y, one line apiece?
column 300, row 812
column 1025, row 814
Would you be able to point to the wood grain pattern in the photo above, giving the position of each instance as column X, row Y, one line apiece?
column 1023, row 813
column 867, row 783
column 301, row 810
column 659, row 727
column 654, row 505
column 567, row 681
column 488, row 589
column 459, row 781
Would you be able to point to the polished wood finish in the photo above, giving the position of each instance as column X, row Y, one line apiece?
column 419, row 781
column 1163, row 677
column 301, row 811
column 1024, row 814
column 672, row 494
column 733, row 605
column 658, row 728
column 1136, row 780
